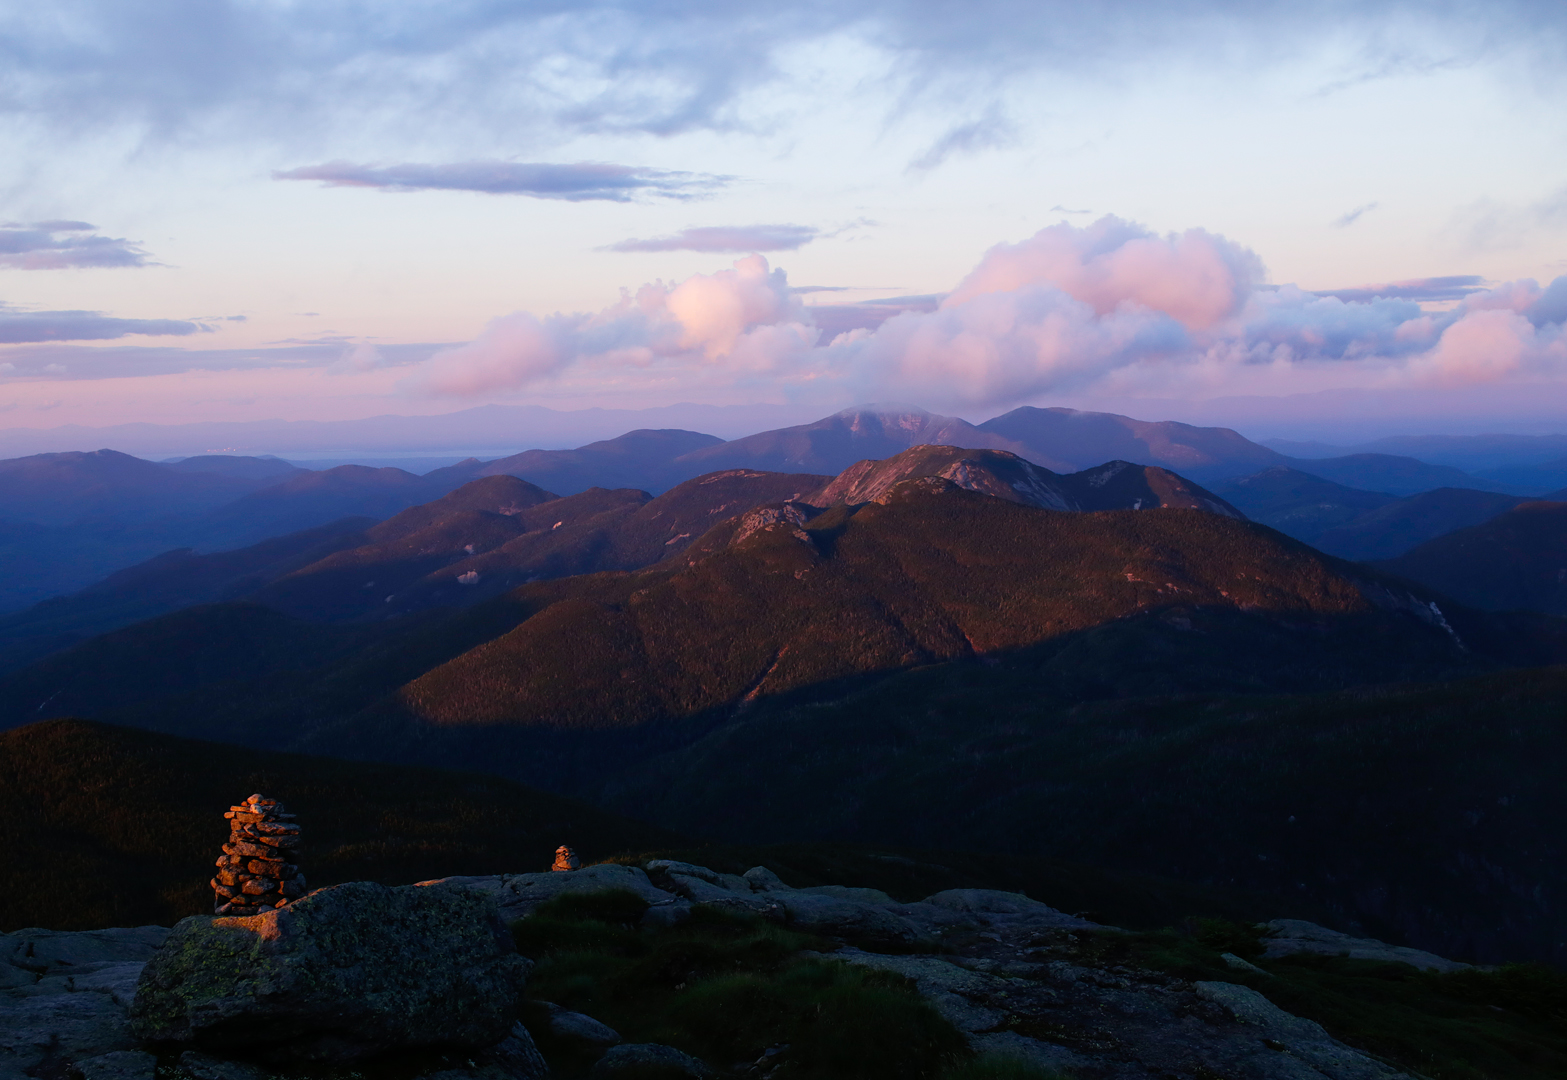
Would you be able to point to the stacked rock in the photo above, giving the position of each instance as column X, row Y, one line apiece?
column 565, row 859
column 256, row 872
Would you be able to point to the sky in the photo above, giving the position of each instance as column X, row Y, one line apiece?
column 1264, row 214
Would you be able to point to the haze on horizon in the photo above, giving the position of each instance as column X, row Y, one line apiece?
column 1276, row 217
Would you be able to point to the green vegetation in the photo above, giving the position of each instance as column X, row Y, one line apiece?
column 1433, row 815
column 1505, row 1024
column 727, row 989
column 1512, row 561
column 106, row 826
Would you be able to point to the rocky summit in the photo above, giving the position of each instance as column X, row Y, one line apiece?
column 343, row 974
column 424, row 983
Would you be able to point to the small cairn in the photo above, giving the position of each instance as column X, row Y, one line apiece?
column 566, row 859
column 256, row 872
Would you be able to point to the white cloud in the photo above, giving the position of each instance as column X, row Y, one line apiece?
column 1108, row 307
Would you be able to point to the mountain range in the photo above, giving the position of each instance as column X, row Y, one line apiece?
column 70, row 519
column 1004, row 656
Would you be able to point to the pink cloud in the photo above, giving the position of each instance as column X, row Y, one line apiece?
column 1108, row 307
column 1197, row 277
column 743, row 320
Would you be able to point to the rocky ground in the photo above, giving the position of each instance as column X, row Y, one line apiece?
column 1007, row 971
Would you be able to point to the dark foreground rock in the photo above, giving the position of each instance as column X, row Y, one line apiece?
column 647, row 1059
column 63, row 998
column 343, row 974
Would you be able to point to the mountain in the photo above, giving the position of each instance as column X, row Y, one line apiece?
column 1161, row 685
column 104, row 485
column 1517, row 560
column 84, row 804
column 1067, row 440
column 926, row 572
column 172, row 580
column 1541, row 476
column 1356, row 524
column 1395, row 527
column 268, row 469
column 308, row 499
column 833, row 443
column 638, row 459
column 1115, row 485
column 1478, row 454
column 464, row 548
column 1390, row 473
column 1299, row 504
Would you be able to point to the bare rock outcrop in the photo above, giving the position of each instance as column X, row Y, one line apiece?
column 343, row 974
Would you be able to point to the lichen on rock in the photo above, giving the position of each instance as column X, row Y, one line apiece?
column 343, row 974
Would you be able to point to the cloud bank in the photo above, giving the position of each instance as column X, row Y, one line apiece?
column 23, row 327
column 1107, row 308
column 59, row 245
column 581, row 182
column 727, row 238
column 292, row 73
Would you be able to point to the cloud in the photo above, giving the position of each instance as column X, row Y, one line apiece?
column 41, row 246
column 125, row 361
column 1344, row 221
column 727, row 238
column 1059, row 209
column 744, row 322
column 1106, row 308
column 990, row 132
column 574, row 183
column 1197, row 278
column 20, row 327
column 478, row 72
column 1431, row 289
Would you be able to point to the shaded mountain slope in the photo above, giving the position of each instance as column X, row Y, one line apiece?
column 1299, row 504
column 932, row 574
column 83, row 805
column 1515, row 561
column 1115, row 485
column 1390, row 473
column 1398, row 526
column 172, row 580
column 1356, row 524
column 265, row 469
column 440, row 555
column 309, row 499
column 1067, row 440
column 1428, row 814
column 640, row 459
column 105, row 485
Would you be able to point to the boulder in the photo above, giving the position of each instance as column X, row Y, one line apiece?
column 119, row 1065
column 849, row 892
column 853, row 920
column 340, row 975
column 648, row 1060
column 199, row 1066
column 40, row 1032
column 1285, row 936
column 519, row 894
column 579, row 1028
column 764, row 880
column 703, row 886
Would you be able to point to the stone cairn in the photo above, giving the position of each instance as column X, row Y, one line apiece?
column 255, row 873
column 565, row 859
